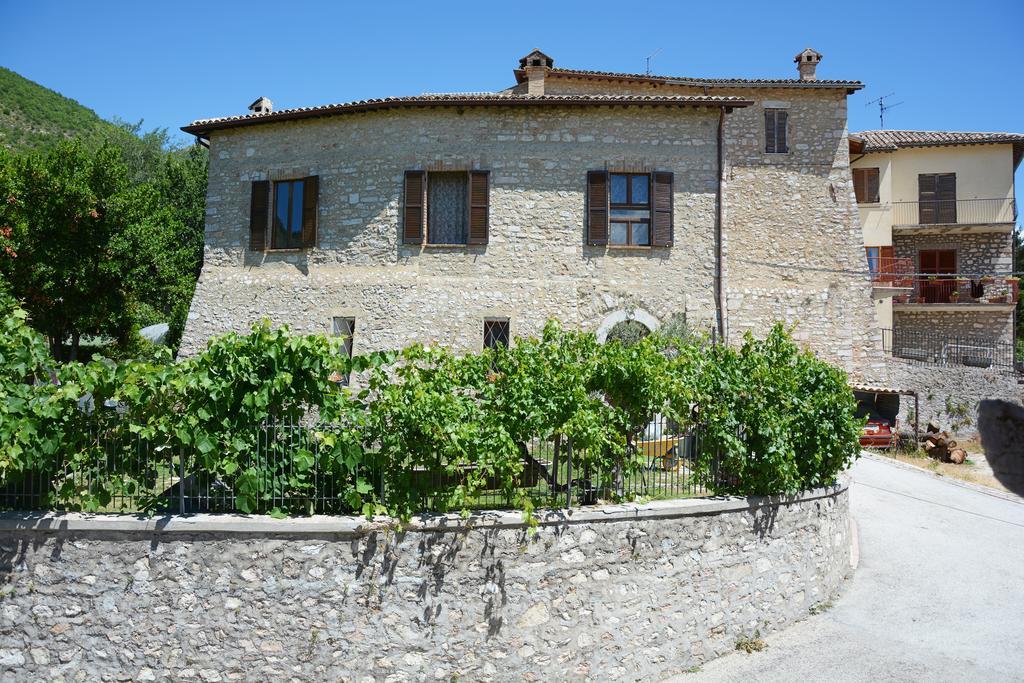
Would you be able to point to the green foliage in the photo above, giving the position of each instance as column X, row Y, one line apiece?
column 91, row 251
column 628, row 332
column 34, row 117
column 430, row 430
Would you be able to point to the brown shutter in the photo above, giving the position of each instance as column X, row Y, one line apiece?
column 926, row 198
column 259, row 212
column 858, row 184
column 479, row 206
column 871, row 185
column 412, row 218
column 781, row 143
column 769, row 130
column 662, row 207
column 310, row 201
column 597, row 207
column 945, row 194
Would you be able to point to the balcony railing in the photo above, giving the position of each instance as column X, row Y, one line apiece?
column 958, row 212
column 930, row 348
column 887, row 271
column 956, row 289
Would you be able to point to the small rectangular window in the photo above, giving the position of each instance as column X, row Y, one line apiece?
column 865, row 185
column 496, row 333
column 346, row 329
column 447, row 207
column 287, row 232
column 630, row 219
column 775, row 133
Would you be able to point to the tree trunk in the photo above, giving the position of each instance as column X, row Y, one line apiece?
column 75, row 338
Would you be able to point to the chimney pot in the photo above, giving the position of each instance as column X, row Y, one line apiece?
column 807, row 64
column 262, row 105
column 536, row 65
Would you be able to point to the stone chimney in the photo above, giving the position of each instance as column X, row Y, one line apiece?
column 807, row 64
column 262, row 105
column 536, row 65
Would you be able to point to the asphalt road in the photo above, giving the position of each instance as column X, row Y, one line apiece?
column 938, row 594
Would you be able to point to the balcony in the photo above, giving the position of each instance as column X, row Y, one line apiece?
column 890, row 276
column 947, row 216
column 955, row 292
column 943, row 350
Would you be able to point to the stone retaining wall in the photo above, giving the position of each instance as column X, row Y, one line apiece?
column 950, row 395
column 632, row 592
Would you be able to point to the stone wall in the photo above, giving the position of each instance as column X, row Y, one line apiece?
column 950, row 395
column 631, row 592
column 947, row 322
column 976, row 254
column 791, row 239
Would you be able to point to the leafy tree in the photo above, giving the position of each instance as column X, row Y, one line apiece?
column 91, row 248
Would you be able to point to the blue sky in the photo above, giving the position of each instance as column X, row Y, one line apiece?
column 953, row 65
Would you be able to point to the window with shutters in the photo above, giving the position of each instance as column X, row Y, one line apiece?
column 293, row 224
column 629, row 210
column 873, row 253
column 865, row 185
column 345, row 327
column 446, row 207
column 775, row 131
column 496, row 333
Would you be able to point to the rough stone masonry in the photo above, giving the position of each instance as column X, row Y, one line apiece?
column 623, row 593
column 790, row 238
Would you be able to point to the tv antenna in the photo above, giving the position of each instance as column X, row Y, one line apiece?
column 883, row 107
column 649, row 58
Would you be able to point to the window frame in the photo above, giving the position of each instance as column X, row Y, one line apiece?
column 294, row 236
column 348, row 344
column 489, row 322
column 873, row 260
column 630, row 205
column 467, row 189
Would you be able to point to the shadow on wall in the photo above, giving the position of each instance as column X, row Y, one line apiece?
column 1001, row 426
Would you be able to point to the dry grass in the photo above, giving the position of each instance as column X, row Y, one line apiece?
column 966, row 472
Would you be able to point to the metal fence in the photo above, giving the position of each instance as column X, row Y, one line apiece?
column 959, row 211
column 289, row 469
column 929, row 348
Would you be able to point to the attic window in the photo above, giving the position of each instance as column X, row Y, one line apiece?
column 536, row 62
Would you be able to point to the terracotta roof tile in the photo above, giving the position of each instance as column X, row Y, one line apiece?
column 504, row 98
column 890, row 140
column 684, row 80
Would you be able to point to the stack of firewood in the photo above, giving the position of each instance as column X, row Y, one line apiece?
column 939, row 445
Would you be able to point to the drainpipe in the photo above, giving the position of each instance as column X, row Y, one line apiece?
column 719, row 308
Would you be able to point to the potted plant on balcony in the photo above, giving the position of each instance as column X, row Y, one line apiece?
column 954, row 296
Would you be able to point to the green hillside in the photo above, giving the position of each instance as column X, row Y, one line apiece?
column 35, row 117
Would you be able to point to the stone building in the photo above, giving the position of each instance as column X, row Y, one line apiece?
column 589, row 197
column 938, row 214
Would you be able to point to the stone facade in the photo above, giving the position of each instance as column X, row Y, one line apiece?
column 790, row 236
column 950, row 395
column 976, row 254
column 626, row 593
column 948, row 322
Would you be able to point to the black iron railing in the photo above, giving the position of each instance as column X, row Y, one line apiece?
column 289, row 470
column 927, row 348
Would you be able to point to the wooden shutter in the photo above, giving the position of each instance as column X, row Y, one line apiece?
column 661, row 206
column 597, row 207
column 310, row 200
column 865, row 185
column 769, row 130
column 781, row 143
column 926, row 198
column 412, row 218
column 479, row 206
column 945, row 194
column 259, row 213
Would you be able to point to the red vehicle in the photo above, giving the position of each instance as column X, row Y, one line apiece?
column 880, row 407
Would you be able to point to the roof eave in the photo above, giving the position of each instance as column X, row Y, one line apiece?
column 203, row 128
column 850, row 86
